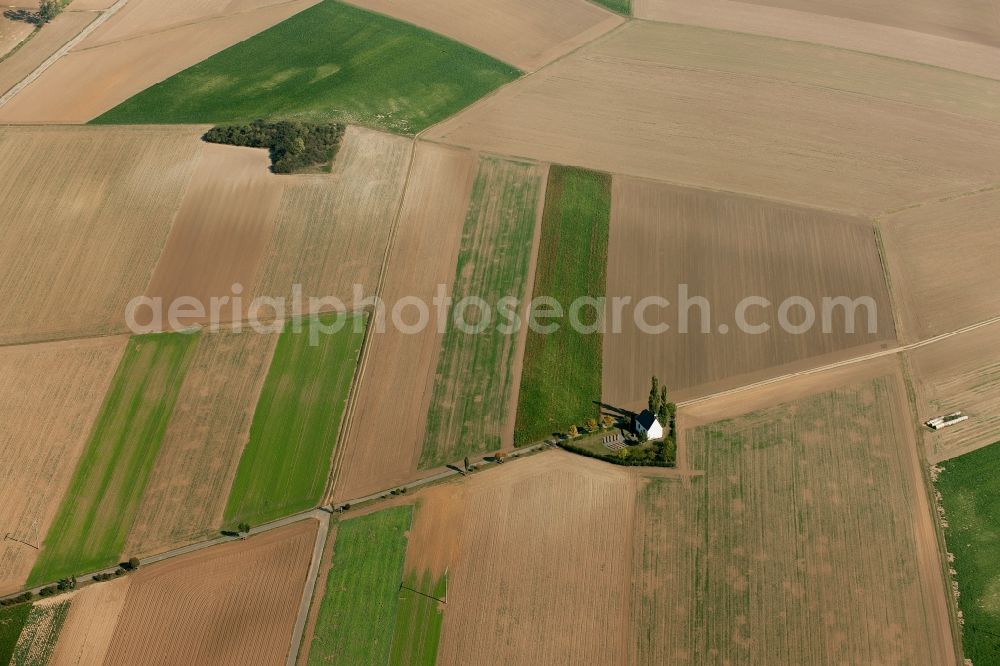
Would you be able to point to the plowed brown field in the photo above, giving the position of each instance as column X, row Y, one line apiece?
column 12, row 33
column 230, row 604
column 221, row 231
column 961, row 373
column 210, row 424
column 831, row 30
column 89, row 80
column 331, row 231
column 86, row 214
column 638, row 102
column 399, row 367
column 941, row 261
column 63, row 28
column 726, row 248
column 50, row 395
column 524, row 33
column 90, row 624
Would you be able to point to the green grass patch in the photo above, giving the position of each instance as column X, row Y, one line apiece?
column 562, row 370
column 472, row 389
column 331, row 62
column 12, row 621
column 97, row 512
column 623, row 7
column 418, row 621
column 970, row 491
column 358, row 613
column 285, row 464
column 38, row 638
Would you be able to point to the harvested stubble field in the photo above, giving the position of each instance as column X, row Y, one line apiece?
column 723, row 121
column 357, row 614
column 561, row 379
column 40, row 633
column 941, row 262
column 830, row 30
column 37, row 50
column 961, row 373
column 189, row 485
column 775, row 555
column 87, row 212
column 12, row 32
column 99, row 73
column 423, row 256
column 538, row 557
column 95, row 516
column 90, row 624
column 523, row 33
column 970, row 494
column 233, row 604
column 330, row 62
column 331, row 231
column 296, row 424
column 726, row 248
column 50, row 396
column 221, row 231
column 470, row 410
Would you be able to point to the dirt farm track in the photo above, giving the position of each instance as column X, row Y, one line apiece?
column 430, row 486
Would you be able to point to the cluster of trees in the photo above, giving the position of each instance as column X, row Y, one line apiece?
column 64, row 585
column 19, row 599
column 660, row 405
column 48, row 10
column 294, row 146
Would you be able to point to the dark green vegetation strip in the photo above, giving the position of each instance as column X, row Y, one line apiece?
column 12, row 620
column 472, row 389
column 286, row 462
column 358, row 612
column 294, row 147
column 623, row 7
column 96, row 514
column 41, row 631
column 331, row 62
column 562, row 370
column 970, row 490
column 418, row 621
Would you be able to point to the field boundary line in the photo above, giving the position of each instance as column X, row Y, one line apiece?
column 63, row 50
column 309, row 588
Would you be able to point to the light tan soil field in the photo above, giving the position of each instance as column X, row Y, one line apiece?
column 942, row 264
column 523, row 33
column 209, row 426
column 63, row 28
column 834, row 31
column 332, row 230
column 538, row 555
column 12, row 33
column 633, row 103
column 87, row 212
column 959, row 374
column 93, row 615
column 776, row 555
column 231, row 604
column 221, row 231
column 726, row 248
column 50, row 395
column 399, row 367
column 89, row 80
column 967, row 20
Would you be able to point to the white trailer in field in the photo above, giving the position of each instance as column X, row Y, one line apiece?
column 947, row 420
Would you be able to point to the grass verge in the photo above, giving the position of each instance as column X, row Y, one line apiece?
column 97, row 512
column 970, row 493
column 331, row 62
column 472, row 389
column 358, row 613
column 561, row 379
column 285, row 464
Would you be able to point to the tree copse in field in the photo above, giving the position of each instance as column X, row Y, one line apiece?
column 562, row 370
column 357, row 615
column 293, row 146
column 285, row 464
column 96, row 514
column 469, row 407
column 331, row 62
column 970, row 493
